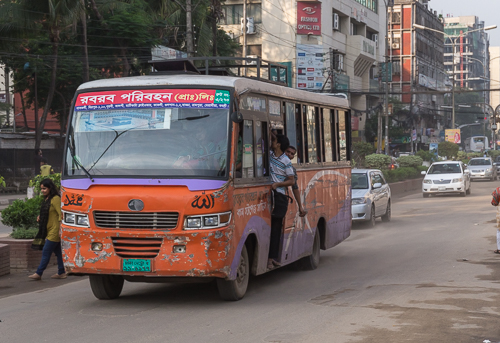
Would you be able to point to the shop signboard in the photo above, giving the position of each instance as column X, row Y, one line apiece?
column 310, row 67
column 309, row 18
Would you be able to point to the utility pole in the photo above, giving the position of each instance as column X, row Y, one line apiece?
column 7, row 94
column 244, row 52
column 189, row 29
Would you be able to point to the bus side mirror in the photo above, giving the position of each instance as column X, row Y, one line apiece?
column 236, row 117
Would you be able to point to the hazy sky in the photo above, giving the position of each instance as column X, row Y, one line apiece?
column 487, row 11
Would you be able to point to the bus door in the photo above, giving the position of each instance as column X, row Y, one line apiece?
column 252, row 194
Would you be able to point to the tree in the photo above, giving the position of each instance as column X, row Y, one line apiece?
column 448, row 149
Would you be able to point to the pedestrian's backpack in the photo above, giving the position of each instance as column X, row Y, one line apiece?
column 496, row 197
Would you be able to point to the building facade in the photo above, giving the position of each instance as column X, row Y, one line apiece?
column 331, row 46
column 467, row 53
column 494, row 52
column 6, row 116
column 417, row 68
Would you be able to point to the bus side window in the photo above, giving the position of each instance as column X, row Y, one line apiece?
column 298, row 129
column 312, row 153
column 248, row 147
column 261, row 151
column 342, row 135
column 291, row 128
column 327, row 135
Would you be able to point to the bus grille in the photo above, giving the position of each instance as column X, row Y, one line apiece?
column 137, row 247
column 136, row 220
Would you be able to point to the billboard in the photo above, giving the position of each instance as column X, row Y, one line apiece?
column 453, row 135
column 309, row 67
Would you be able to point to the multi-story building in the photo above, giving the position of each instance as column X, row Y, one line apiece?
column 321, row 41
column 467, row 53
column 417, row 66
column 494, row 52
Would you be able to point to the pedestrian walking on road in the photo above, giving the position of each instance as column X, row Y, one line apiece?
column 48, row 239
column 495, row 202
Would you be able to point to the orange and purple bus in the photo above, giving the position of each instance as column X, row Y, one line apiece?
column 166, row 178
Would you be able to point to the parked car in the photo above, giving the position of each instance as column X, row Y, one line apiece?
column 446, row 177
column 482, row 168
column 371, row 196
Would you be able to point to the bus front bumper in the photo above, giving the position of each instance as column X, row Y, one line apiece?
column 200, row 253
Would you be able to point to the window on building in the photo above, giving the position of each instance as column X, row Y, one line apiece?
column 234, row 13
column 370, row 4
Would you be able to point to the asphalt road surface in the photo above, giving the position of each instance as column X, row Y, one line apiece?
column 430, row 275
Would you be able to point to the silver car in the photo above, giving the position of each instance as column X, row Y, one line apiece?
column 482, row 168
column 371, row 196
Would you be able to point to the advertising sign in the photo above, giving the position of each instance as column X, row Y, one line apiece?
column 310, row 67
column 414, row 135
column 153, row 98
column 453, row 135
column 433, row 148
column 309, row 18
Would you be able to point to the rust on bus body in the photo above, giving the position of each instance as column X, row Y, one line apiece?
column 207, row 252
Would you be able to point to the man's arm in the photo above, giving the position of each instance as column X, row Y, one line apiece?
column 296, row 195
column 289, row 181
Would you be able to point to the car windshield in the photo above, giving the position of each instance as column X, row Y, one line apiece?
column 480, row 162
column 359, row 181
column 445, row 168
column 134, row 139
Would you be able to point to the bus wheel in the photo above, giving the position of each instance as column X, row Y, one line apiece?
column 232, row 290
column 311, row 262
column 106, row 287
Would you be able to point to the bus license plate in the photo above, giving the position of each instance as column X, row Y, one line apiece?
column 136, row 265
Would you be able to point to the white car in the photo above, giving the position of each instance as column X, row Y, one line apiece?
column 371, row 196
column 446, row 177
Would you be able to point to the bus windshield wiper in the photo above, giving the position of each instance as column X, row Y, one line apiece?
column 73, row 156
column 195, row 118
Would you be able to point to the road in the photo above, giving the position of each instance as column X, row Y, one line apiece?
column 429, row 275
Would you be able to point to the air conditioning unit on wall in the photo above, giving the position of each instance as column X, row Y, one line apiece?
column 395, row 46
column 336, row 22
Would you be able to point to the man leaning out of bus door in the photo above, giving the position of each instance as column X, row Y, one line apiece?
column 282, row 176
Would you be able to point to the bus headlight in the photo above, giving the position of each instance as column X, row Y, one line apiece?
column 76, row 219
column 210, row 221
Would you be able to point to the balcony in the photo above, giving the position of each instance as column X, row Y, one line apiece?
column 363, row 51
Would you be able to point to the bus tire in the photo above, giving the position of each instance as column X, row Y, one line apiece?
column 106, row 287
column 233, row 290
column 311, row 262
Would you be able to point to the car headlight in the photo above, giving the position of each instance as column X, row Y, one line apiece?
column 358, row 201
column 76, row 219
column 457, row 180
column 210, row 221
column 427, row 181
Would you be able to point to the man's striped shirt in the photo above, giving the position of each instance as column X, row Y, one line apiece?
column 280, row 167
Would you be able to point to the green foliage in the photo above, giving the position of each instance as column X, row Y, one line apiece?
column 401, row 174
column 362, row 149
column 22, row 214
column 421, row 169
column 493, row 153
column 448, row 149
column 377, row 161
column 410, row 161
column 24, row 233
column 2, row 181
column 35, row 182
column 426, row 155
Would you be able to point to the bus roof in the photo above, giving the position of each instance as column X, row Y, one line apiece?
column 239, row 83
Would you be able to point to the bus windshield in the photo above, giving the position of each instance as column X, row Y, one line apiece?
column 165, row 139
